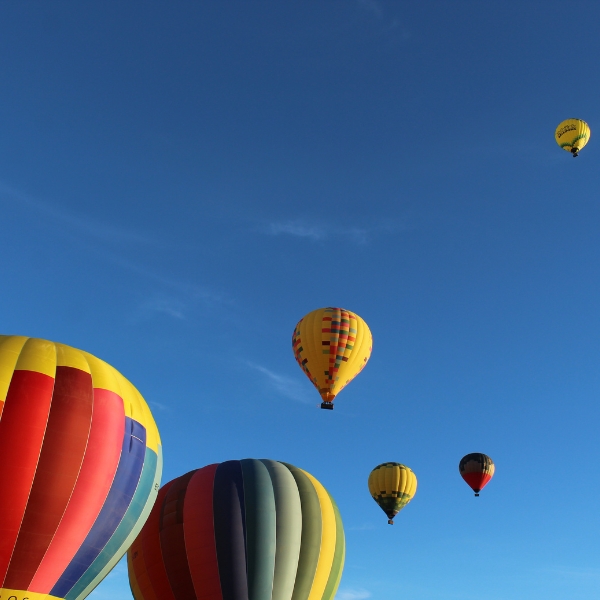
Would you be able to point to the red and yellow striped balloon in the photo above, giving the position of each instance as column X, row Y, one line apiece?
column 80, row 469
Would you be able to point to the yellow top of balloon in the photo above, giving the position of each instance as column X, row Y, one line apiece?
column 332, row 345
column 42, row 356
column 572, row 135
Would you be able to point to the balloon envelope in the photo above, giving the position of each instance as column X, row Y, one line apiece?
column 476, row 469
column 240, row 530
column 572, row 135
column 332, row 346
column 80, row 469
column 392, row 486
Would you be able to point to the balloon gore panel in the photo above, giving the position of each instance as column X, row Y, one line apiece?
column 253, row 529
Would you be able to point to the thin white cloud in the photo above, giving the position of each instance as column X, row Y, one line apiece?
column 286, row 386
column 172, row 298
column 296, row 229
column 315, row 232
column 352, row 594
column 373, row 6
column 318, row 232
column 168, row 306
column 158, row 405
column 566, row 572
column 99, row 230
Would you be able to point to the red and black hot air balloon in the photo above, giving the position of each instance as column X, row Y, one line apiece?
column 476, row 469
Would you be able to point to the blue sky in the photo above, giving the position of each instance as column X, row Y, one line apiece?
column 181, row 182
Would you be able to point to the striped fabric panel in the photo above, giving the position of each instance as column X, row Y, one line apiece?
column 116, row 504
column 199, row 531
column 312, row 527
column 172, row 540
column 339, row 556
column 288, row 529
column 155, row 574
column 260, row 528
column 114, row 550
column 93, row 485
column 230, row 530
column 25, row 416
column 60, row 461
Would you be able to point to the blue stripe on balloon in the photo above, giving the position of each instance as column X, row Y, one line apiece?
column 123, row 530
column 116, row 505
column 229, row 513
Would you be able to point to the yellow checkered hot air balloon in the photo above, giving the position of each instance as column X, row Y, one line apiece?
column 572, row 135
column 332, row 346
column 392, row 486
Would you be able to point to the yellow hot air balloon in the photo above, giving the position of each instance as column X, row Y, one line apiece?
column 392, row 486
column 572, row 135
column 332, row 345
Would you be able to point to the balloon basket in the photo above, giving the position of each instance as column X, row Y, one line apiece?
column 327, row 405
column 390, row 522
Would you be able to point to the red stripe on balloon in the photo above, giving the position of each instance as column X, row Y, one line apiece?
column 199, row 530
column 93, row 484
column 60, row 460
column 138, row 573
column 153, row 559
column 1, row 407
column 22, row 431
column 172, row 540
column 476, row 481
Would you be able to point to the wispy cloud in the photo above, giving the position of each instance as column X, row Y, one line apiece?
column 286, row 386
column 352, row 594
column 172, row 297
column 158, row 405
column 297, row 229
column 96, row 229
column 318, row 232
column 169, row 306
column 578, row 573
column 373, row 6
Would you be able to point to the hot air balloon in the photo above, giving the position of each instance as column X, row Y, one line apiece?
column 332, row 346
column 80, row 469
column 476, row 469
column 392, row 486
column 237, row 530
column 572, row 135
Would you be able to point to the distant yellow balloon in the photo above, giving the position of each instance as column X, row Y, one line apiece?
column 332, row 346
column 392, row 486
column 572, row 135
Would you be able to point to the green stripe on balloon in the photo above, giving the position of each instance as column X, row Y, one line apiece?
column 289, row 528
column 260, row 528
column 312, row 526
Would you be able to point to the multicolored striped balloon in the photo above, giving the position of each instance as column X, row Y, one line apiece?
column 476, row 469
column 80, row 469
column 240, row 530
column 332, row 346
